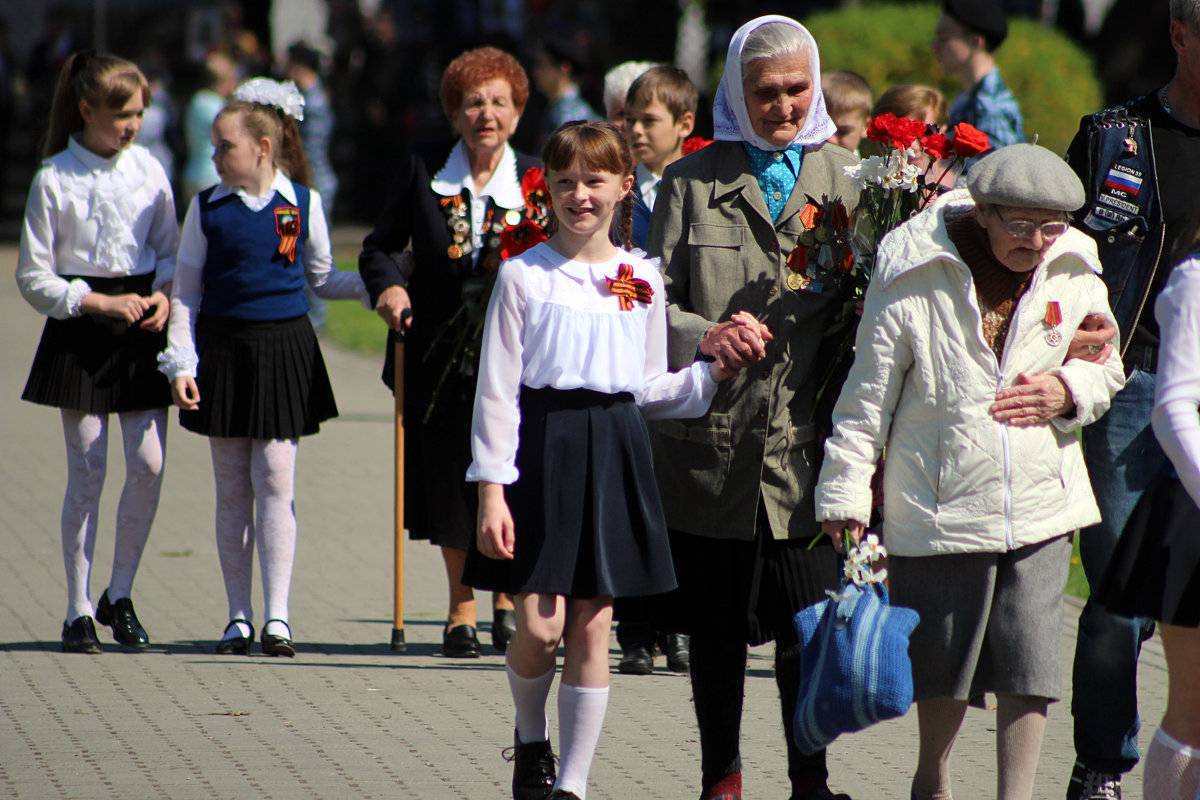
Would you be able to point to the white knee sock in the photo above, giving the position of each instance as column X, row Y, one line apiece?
column 144, row 435
column 86, row 438
column 235, row 523
column 272, row 471
column 580, row 718
column 1172, row 769
column 529, row 698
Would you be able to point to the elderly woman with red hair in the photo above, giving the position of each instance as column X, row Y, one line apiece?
column 452, row 222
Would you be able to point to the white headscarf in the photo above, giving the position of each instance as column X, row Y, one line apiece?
column 731, row 120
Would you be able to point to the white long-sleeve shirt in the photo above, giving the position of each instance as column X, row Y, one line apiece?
column 553, row 322
column 1176, row 415
column 180, row 359
column 94, row 217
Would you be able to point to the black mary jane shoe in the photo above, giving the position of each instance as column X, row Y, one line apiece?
column 119, row 615
column 461, row 641
column 236, row 645
column 80, row 637
column 273, row 645
column 504, row 628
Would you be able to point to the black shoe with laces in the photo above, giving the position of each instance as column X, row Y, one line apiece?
column 636, row 660
column 1088, row 784
column 533, row 769
column 119, row 615
column 675, row 647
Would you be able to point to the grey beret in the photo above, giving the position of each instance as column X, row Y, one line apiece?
column 1025, row 175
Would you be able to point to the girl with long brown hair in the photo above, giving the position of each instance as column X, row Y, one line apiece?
column 97, row 258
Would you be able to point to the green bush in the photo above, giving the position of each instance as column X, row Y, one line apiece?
column 889, row 43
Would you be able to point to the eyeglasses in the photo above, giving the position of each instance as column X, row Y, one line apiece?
column 1024, row 229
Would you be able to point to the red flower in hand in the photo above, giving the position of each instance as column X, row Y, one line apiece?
column 901, row 132
column 937, row 145
column 519, row 238
column 969, row 140
column 533, row 188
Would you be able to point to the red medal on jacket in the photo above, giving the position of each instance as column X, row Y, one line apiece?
column 1052, row 320
column 287, row 225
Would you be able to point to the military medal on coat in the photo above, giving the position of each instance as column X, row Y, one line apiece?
column 822, row 253
column 1052, row 320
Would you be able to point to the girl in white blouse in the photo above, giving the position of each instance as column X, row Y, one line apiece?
column 97, row 258
column 574, row 358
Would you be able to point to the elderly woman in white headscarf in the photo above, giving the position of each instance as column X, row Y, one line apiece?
column 737, row 483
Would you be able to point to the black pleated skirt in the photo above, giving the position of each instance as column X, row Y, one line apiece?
column 1154, row 571
column 259, row 379
column 587, row 514
column 99, row 364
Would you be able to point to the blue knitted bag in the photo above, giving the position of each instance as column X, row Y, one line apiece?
column 855, row 669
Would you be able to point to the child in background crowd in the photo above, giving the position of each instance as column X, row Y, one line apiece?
column 574, row 359
column 848, row 101
column 97, row 256
column 244, row 361
column 660, row 112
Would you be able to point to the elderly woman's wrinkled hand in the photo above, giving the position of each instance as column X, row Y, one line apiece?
column 834, row 528
column 1093, row 340
column 721, row 367
column 738, row 343
column 1033, row 400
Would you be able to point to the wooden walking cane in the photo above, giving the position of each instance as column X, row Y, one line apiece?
column 398, row 645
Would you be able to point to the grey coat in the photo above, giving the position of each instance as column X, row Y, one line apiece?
column 721, row 253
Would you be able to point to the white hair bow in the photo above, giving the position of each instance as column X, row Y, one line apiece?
column 272, row 93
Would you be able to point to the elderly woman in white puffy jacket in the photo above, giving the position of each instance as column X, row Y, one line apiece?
column 961, row 371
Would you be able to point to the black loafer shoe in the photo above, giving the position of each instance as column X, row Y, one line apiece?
column 562, row 794
column 80, row 637
column 675, row 647
column 504, row 628
column 533, row 769
column 636, row 661
column 273, row 645
column 236, row 645
column 119, row 616
column 461, row 641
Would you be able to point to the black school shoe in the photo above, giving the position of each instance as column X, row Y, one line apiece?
column 80, row 637
column 504, row 628
column 236, row 645
column 273, row 645
column 119, row 616
column 461, row 641
column 533, row 769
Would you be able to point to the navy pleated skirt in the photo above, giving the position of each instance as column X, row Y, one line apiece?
column 586, row 510
column 99, row 364
column 259, row 379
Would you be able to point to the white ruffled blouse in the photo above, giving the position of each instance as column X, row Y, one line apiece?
column 553, row 322
column 94, row 217
column 325, row 279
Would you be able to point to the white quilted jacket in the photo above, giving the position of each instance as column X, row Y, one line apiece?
column 956, row 480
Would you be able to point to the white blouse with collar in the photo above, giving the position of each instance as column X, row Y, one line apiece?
column 94, row 217
column 553, row 322
column 1176, row 415
column 504, row 187
column 326, row 280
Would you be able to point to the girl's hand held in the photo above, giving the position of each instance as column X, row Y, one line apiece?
column 160, row 307
column 185, row 393
column 129, row 307
column 496, row 534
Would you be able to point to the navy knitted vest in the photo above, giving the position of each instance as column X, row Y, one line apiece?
column 245, row 275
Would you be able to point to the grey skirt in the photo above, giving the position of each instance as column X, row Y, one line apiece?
column 990, row 622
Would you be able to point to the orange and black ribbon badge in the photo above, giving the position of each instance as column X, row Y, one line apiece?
column 628, row 288
column 287, row 225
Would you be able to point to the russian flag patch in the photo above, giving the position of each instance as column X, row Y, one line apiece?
column 1123, row 181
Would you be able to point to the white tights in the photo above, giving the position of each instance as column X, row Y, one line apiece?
column 144, row 437
column 256, row 475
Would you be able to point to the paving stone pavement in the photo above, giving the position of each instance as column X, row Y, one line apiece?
column 346, row 718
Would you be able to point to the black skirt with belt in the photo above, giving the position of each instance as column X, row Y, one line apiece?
column 100, row 364
column 259, row 379
column 586, row 510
